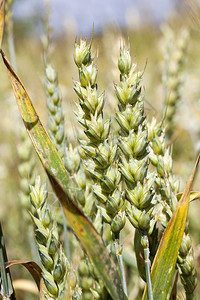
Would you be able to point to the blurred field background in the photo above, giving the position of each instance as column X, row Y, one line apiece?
column 145, row 38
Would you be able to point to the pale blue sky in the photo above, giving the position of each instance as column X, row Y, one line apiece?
column 99, row 12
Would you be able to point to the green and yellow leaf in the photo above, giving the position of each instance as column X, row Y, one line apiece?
column 193, row 196
column 163, row 267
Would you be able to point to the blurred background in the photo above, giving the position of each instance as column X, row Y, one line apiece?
column 143, row 26
column 83, row 14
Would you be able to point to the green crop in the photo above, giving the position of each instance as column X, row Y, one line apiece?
column 120, row 208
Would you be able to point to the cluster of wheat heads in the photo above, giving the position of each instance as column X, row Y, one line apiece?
column 113, row 176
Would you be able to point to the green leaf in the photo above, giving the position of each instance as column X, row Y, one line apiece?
column 139, row 254
column 84, row 230
column 193, row 196
column 6, row 286
column 173, row 295
column 164, row 263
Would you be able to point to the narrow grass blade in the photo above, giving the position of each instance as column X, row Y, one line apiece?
column 31, row 266
column 86, row 233
column 139, row 257
column 166, row 256
column 173, row 295
column 2, row 19
column 6, row 287
column 34, row 269
column 193, row 196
